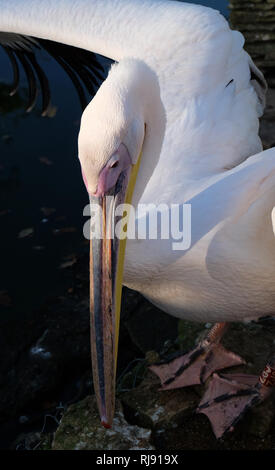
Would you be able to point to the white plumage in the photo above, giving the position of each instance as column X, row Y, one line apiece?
column 211, row 109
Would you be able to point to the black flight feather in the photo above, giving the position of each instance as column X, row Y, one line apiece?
column 82, row 67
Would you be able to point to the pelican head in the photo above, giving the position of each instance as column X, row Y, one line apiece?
column 111, row 138
column 112, row 129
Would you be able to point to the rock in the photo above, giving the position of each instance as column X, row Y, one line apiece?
column 189, row 333
column 170, row 414
column 262, row 419
column 32, row 441
column 55, row 348
column 151, row 357
column 252, row 341
column 23, row 419
column 149, row 407
column 45, row 441
column 80, row 429
column 28, row 441
column 149, row 327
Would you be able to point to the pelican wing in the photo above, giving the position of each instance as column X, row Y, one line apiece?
column 206, row 78
column 258, row 82
column 82, row 67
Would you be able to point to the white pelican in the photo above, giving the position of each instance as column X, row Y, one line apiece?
column 178, row 114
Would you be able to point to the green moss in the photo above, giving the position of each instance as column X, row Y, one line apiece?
column 80, row 429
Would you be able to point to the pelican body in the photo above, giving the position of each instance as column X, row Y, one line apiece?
column 175, row 122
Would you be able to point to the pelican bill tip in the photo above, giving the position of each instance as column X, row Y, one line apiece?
column 105, row 424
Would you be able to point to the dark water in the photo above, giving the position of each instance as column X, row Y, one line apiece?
column 39, row 169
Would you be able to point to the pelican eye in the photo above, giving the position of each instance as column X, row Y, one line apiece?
column 114, row 161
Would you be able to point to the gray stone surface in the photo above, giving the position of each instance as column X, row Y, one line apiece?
column 80, row 429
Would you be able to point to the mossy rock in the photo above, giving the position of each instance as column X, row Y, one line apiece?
column 80, row 429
